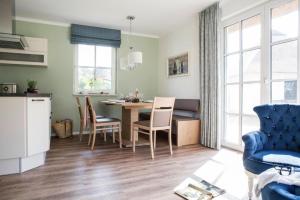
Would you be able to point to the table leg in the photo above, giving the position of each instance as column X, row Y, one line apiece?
column 128, row 117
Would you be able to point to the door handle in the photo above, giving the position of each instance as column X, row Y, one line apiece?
column 38, row 100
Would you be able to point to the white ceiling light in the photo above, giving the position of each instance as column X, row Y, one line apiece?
column 134, row 58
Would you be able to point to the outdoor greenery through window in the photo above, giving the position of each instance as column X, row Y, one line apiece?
column 95, row 69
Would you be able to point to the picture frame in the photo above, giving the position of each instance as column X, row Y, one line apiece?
column 178, row 65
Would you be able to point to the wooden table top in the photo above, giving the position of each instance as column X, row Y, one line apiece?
column 130, row 105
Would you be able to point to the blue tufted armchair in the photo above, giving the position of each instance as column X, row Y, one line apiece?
column 276, row 143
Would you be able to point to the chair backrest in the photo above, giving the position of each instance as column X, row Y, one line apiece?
column 162, row 112
column 281, row 125
column 79, row 109
column 90, row 110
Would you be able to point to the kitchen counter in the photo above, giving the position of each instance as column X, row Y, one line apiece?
column 25, row 94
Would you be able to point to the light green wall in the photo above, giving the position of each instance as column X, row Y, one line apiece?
column 58, row 77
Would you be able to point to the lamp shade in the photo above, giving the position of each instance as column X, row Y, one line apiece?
column 135, row 57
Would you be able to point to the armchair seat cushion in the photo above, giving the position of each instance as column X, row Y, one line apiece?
column 279, row 191
column 265, row 159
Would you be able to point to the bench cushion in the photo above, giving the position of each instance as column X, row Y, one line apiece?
column 146, row 116
column 191, row 105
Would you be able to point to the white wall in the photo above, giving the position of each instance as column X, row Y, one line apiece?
column 186, row 39
column 233, row 7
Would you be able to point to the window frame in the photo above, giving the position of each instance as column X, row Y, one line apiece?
column 113, row 68
column 264, row 10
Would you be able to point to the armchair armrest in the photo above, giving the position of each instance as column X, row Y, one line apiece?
column 254, row 141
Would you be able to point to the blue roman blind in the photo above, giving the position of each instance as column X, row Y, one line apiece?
column 81, row 34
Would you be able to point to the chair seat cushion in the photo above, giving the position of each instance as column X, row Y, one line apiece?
column 143, row 123
column 99, row 116
column 263, row 160
column 107, row 120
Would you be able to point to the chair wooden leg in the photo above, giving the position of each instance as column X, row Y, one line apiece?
column 113, row 134
column 154, row 136
column 90, row 135
column 104, row 132
column 170, row 141
column 120, row 136
column 151, row 144
column 80, row 131
column 133, row 138
column 250, row 187
column 94, row 137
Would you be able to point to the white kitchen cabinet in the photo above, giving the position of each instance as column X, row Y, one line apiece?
column 24, row 132
column 38, row 132
column 12, row 127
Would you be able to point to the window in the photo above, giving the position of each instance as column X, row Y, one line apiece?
column 284, row 51
column 95, row 69
column 260, row 60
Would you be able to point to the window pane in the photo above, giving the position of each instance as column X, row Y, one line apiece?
column 103, row 56
column 232, row 98
column 103, row 79
column 250, row 123
column 232, row 68
column 85, row 79
column 251, row 97
column 284, row 92
column 251, row 65
column 251, row 32
column 285, row 21
column 232, row 38
column 284, row 61
column 86, row 55
column 232, row 129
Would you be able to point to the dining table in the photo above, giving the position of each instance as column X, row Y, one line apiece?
column 130, row 114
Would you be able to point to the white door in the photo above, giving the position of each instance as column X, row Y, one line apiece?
column 38, row 120
column 242, row 78
column 260, row 62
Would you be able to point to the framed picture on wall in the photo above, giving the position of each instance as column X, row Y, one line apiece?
column 178, row 65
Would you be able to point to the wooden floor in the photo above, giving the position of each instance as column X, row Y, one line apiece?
column 72, row 171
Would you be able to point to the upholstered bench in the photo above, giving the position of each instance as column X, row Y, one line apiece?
column 185, row 122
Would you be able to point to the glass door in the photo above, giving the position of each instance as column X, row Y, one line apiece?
column 242, row 78
column 261, row 65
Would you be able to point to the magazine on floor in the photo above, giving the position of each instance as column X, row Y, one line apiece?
column 197, row 189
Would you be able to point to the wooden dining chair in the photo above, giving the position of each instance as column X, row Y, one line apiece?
column 102, row 125
column 83, row 117
column 161, row 119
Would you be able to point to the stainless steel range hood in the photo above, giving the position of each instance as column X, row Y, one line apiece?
column 8, row 39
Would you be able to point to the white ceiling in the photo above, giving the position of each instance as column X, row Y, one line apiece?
column 154, row 17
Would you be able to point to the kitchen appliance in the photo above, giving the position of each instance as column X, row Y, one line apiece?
column 18, row 49
column 8, row 88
